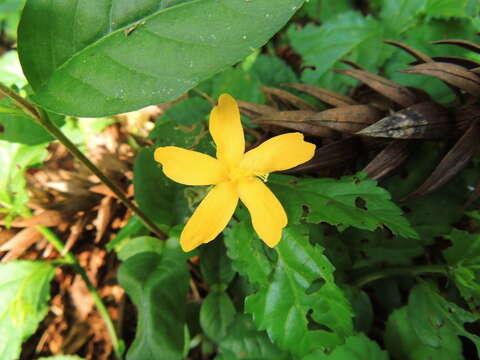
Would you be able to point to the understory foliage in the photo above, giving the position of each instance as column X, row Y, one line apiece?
column 381, row 256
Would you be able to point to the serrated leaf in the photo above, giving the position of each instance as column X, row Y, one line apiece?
column 24, row 293
column 216, row 315
column 405, row 13
column 351, row 201
column 159, row 51
column 428, row 311
column 464, row 257
column 157, row 285
column 215, row 265
column 357, row 347
column 245, row 342
column 281, row 307
column 402, row 341
column 349, row 35
column 15, row 159
column 250, row 256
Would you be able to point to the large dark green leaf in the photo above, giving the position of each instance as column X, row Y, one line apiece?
column 283, row 306
column 94, row 58
column 24, row 292
column 157, row 284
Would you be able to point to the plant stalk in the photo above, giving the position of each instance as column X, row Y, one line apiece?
column 43, row 120
column 102, row 309
column 401, row 271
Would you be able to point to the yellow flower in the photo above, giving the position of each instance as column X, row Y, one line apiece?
column 236, row 175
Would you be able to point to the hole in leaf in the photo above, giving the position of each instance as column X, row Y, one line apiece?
column 360, row 203
column 2, row 129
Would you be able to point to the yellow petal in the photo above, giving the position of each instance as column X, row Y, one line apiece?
column 278, row 153
column 211, row 216
column 226, row 130
column 268, row 216
column 190, row 167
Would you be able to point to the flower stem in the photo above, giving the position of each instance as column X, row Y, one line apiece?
column 102, row 309
column 41, row 117
column 401, row 271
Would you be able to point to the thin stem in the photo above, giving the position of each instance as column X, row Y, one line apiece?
column 42, row 119
column 102, row 309
column 401, row 271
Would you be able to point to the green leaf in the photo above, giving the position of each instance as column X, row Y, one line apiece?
column 272, row 71
column 446, row 8
column 402, row 341
column 405, row 12
column 120, row 56
column 250, row 256
column 464, row 258
column 15, row 159
column 157, row 285
column 419, row 37
column 428, row 311
column 324, row 10
column 155, row 194
column 215, row 265
column 351, row 201
column 243, row 341
column 357, row 347
column 16, row 126
column 282, row 305
column 24, row 293
column 61, row 357
column 349, row 35
column 140, row 244
column 216, row 314
column 134, row 227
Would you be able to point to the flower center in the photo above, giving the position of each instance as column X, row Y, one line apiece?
column 237, row 173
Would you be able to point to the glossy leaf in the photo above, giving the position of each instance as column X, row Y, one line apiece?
column 216, row 314
column 282, row 305
column 157, row 285
column 158, row 51
column 350, row 201
column 24, row 293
